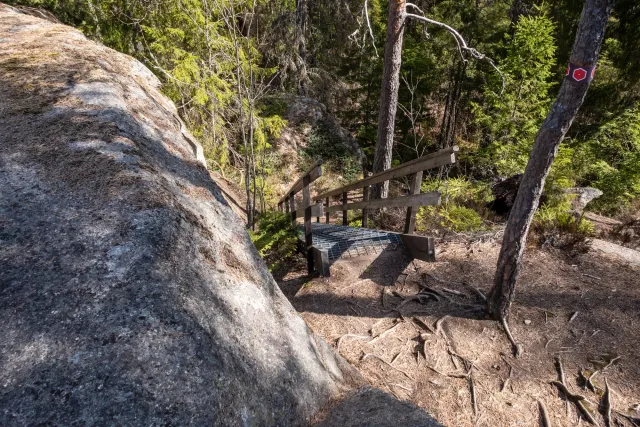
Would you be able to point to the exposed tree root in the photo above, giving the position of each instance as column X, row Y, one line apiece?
column 423, row 325
column 451, row 375
column 588, row 383
column 375, row 356
column 577, row 400
column 508, row 380
column 438, row 325
column 606, row 404
column 381, row 335
column 611, row 362
column 517, row 348
column 454, row 292
column 544, row 414
column 428, row 289
column 362, row 337
column 475, row 290
column 562, row 379
column 474, row 399
column 633, row 420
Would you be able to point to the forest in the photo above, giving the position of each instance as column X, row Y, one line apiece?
column 231, row 67
column 269, row 87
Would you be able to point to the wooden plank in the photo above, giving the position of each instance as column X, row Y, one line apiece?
column 345, row 199
column 308, row 233
column 420, row 247
column 313, row 173
column 317, row 209
column 430, row 161
column 321, row 261
column 365, row 213
column 327, row 214
column 424, row 199
column 292, row 209
column 410, row 221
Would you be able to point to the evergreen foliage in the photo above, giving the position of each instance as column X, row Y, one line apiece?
column 610, row 161
column 509, row 121
column 275, row 240
column 229, row 64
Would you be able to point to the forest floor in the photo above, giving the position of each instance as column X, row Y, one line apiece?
column 582, row 309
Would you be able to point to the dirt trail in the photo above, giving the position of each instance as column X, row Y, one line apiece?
column 582, row 309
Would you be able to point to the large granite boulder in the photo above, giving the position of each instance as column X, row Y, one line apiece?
column 130, row 293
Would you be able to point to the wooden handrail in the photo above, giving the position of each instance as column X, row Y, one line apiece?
column 317, row 209
column 424, row 199
column 415, row 199
column 430, row 161
column 314, row 173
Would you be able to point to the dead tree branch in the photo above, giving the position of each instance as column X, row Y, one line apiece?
column 462, row 44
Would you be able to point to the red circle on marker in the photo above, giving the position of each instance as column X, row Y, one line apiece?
column 579, row 74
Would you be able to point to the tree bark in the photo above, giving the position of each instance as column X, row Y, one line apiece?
column 450, row 116
column 389, row 94
column 586, row 47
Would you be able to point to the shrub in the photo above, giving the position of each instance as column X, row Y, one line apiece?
column 610, row 161
column 460, row 218
column 463, row 202
column 555, row 225
column 275, row 240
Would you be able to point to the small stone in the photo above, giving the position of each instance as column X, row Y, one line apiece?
column 527, row 322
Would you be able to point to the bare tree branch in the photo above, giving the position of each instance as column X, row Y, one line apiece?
column 462, row 44
column 366, row 14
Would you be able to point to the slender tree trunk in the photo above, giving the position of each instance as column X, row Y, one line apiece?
column 301, row 45
column 389, row 94
column 450, row 116
column 586, row 47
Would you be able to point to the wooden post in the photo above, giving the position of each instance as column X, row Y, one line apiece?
column 326, row 215
column 318, row 218
column 365, row 214
column 321, row 261
column 410, row 222
column 292, row 207
column 308, row 233
column 345, row 200
column 286, row 205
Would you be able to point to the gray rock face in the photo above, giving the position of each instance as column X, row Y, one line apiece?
column 130, row 293
column 582, row 197
column 310, row 111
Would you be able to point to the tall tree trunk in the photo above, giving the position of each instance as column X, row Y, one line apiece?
column 389, row 94
column 301, row 46
column 586, row 47
column 450, row 116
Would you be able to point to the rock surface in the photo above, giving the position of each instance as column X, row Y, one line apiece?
column 581, row 196
column 303, row 110
column 130, row 293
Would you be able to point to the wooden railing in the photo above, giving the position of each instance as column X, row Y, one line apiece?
column 308, row 210
column 414, row 168
column 415, row 199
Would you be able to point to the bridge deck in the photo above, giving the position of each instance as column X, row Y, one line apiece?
column 341, row 240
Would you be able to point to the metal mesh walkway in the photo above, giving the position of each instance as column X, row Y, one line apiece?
column 340, row 240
